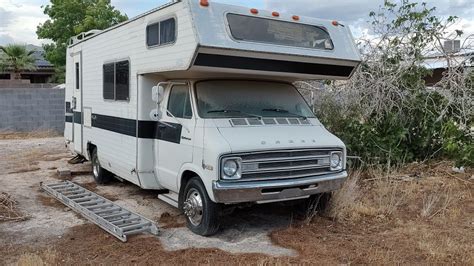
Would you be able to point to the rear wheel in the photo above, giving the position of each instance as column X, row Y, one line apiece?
column 101, row 176
column 202, row 215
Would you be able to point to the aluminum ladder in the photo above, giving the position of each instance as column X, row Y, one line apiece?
column 109, row 216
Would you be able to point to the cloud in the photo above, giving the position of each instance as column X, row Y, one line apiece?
column 19, row 18
column 356, row 13
column 6, row 18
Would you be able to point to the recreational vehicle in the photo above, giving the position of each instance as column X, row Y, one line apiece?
column 195, row 99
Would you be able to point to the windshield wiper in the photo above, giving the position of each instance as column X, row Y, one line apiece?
column 225, row 111
column 278, row 110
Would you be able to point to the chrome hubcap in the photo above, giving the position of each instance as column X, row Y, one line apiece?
column 193, row 207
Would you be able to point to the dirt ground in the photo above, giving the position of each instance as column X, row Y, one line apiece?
column 423, row 213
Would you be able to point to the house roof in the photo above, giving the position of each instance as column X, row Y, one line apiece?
column 39, row 55
column 437, row 61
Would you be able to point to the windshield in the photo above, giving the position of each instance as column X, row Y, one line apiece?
column 229, row 99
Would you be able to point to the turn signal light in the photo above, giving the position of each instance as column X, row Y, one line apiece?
column 204, row 3
column 296, row 18
column 335, row 23
column 254, row 11
column 275, row 14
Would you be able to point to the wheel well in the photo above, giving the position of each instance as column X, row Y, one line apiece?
column 185, row 177
column 90, row 148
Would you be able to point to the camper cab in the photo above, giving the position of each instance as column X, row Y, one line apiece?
column 195, row 100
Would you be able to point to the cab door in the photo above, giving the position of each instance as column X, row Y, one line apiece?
column 175, row 136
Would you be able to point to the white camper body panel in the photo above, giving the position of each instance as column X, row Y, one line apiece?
column 201, row 34
column 118, row 152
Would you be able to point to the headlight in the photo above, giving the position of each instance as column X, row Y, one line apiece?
column 336, row 161
column 231, row 168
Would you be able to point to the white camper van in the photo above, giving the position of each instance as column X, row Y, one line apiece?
column 195, row 99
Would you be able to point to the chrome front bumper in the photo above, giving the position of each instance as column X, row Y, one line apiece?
column 276, row 190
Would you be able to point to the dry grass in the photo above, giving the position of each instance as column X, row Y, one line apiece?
column 424, row 189
column 36, row 134
column 417, row 215
column 345, row 203
column 27, row 160
column 8, row 209
column 436, row 202
column 425, row 207
column 48, row 257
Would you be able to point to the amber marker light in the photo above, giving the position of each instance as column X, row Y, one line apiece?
column 204, row 3
column 335, row 23
column 296, row 18
column 275, row 14
column 254, row 11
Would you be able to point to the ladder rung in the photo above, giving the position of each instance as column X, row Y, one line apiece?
column 84, row 199
column 58, row 184
column 136, row 226
column 63, row 190
column 75, row 191
column 130, row 224
column 125, row 221
column 136, row 231
column 91, row 203
column 67, row 188
column 61, row 186
column 80, row 195
column 107, row 210
column 120, row 214
column 100, row 206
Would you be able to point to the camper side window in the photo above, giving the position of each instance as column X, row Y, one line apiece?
column 117, row 81
column 161, row 33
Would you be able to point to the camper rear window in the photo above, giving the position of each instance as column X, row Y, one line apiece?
column 254, row 29
column 161, row 33
column 117, row 81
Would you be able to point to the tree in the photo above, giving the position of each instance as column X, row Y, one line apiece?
column 71, row 17
column 16, row 58
column 385, row 113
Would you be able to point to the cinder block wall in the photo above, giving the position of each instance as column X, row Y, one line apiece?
column 30, row 109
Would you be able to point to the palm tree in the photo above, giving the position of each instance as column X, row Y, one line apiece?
column 16, row 58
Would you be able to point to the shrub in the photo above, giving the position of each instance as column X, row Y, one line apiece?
column 385, row 113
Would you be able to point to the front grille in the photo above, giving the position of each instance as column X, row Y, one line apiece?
column 285, row 164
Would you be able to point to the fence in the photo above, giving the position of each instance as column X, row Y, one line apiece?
column 30, row 109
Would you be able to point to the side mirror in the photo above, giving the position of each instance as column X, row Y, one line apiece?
column 158, row 93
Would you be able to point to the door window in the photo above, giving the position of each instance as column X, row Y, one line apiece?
column 179, row 103
column 77, row 76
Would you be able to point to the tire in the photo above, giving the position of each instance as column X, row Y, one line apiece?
column 315, row 204
column 202, row 215
column 101, row 176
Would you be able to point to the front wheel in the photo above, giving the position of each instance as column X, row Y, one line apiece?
column 202, row 215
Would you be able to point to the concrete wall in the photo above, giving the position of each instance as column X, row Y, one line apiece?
column 30, row 109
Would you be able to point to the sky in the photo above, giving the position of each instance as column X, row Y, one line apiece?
column 19, row 18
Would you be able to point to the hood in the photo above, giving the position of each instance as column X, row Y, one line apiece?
column 243, row 139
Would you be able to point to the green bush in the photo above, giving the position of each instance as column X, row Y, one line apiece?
column 385, row 114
